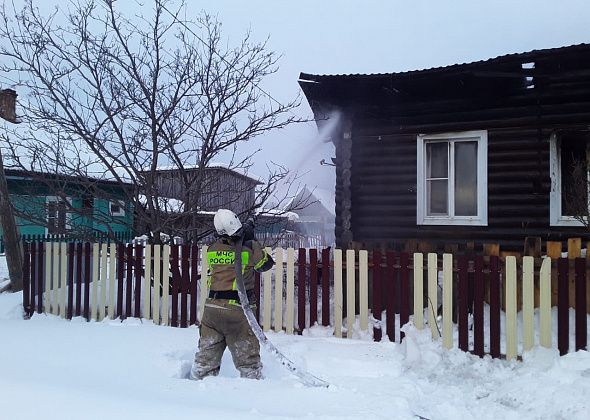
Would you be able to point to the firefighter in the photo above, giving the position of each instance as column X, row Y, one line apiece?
column 224, row 323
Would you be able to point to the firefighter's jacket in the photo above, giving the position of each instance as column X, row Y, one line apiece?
column 221, row 258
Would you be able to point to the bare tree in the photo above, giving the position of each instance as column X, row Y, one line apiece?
column 115, row 97
column 575, row 192
column 14, row 259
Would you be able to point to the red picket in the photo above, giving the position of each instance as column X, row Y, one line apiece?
column 34, row 279
column 563, row 306
column 326, row 287
column 404, row 291
column 193, row 284
column 478, row 297
column 138, row 269
column 377, row 295
column 313, row 286
column 27, row 281
column 184, row 286
column 79, row 249
column 581, row 319
column 257, row 294
column 301, row 290
column 462, row 306
column 494, row 307
column 40, row 285
column 175, row 284
column 87, row 281
column 120, row 279
column 390, row 275
column 129, row 282
column 71, row 256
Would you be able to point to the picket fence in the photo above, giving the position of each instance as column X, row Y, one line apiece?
column 480, row 295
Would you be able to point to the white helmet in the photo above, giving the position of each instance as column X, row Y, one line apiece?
column 226, row 222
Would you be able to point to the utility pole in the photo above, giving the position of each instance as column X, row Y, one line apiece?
column 12, row 246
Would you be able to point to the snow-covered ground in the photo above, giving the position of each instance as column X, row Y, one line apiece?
column 56, row 369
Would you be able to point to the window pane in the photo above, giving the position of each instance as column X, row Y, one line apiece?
column 466, row 178
column 574, row 179
column 437, row 160
column 437, row 197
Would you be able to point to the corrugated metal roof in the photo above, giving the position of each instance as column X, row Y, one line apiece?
column 529, row 55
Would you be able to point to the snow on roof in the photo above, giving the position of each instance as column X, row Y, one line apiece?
column 172, row 205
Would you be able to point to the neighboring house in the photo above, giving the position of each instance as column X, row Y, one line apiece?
column 221, row 186
column 478, row 152
column 313, row 219
column 79, row 207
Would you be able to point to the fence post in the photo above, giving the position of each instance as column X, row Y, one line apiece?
column 325, row 287
column 418, row 291
column 301, row 286
column 338, row 293
column 433, row 294
column 166, row 283
column 545, row 303
column 511, row 342
column 129, row 281
column 313, row 286
column 563, row 306
column 404, row 292
column 478, row 299
column 120, row 279
column 376, row 308
column 390, row 277
column 26, row 281
column 157, row 279
column 279, row 289
column 204, row 285
column 267, row 296
column 63, row 279
column 290, row 290
column 48, row 291
column 95, row 262
column 350, row 291
column 55, row 309
column 494, row 306
column 462, row 306
column 528, row 307
column 581, row 317
column 71, row 259
column 147, row 275
column 103, row 282
column 448, row 301
column 87, row 281
column 364, row 289
column 175, row 284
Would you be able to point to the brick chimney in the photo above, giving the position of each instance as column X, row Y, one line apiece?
column 8, row 105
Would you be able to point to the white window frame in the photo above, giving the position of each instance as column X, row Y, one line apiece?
column 121, row 211
column 482, row 180
column 555, row 216
column 55, row 199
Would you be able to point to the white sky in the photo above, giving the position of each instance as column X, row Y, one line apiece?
column 371, row 36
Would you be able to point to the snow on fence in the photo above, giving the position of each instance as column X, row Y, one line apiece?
column 488, row 305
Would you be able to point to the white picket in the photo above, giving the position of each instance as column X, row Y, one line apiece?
column 147, row 276
column 432, row 294
column 94, row 304
column 103, row 282
column 165, row 284
column 279, row 289
column 545, row 303
column 511, row 330
column 157, row 280
column 350, row 291
column 55, row 279
column 364, row 289
column 338, row 293
column 48, row 249
column 112, row 266
column 204, row 285
column 267, row 297
column 290, row 310
column 447, row 301
column 63, row 280
column 418, row 291
column 528, row 309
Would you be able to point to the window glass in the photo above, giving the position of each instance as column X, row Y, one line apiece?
column 437, row 160
column 436, row 193
column 465, row 178
column 574, row 178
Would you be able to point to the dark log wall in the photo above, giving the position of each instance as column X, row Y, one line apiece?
column 384, row 192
